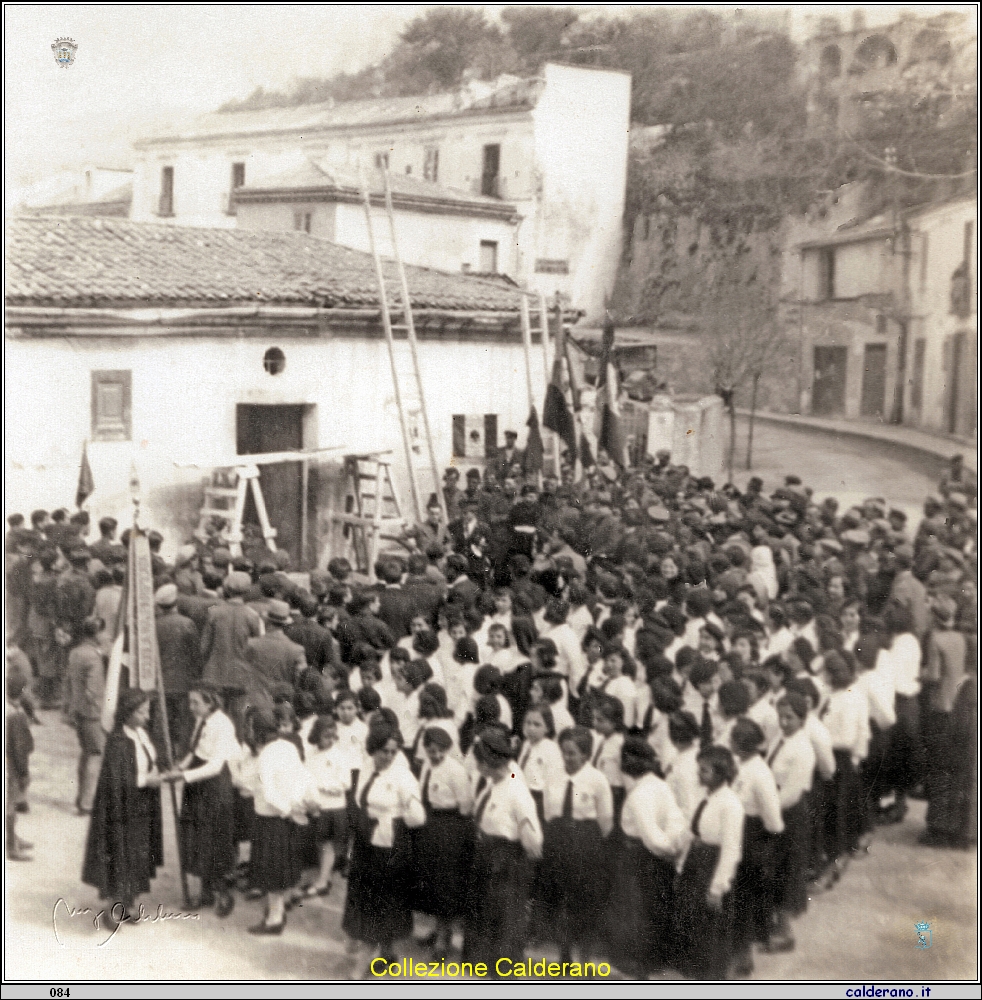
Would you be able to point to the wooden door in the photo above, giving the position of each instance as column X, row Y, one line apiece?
column 261, row 429
column 829, row 388
column 874, row 380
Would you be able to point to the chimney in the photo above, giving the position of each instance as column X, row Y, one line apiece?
column 858, row 20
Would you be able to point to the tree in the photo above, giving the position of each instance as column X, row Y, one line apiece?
column 537, row 33
column 742, row 335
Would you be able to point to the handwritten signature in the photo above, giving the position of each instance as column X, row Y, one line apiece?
column 110, row 919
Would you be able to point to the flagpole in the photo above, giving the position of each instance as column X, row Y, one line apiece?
column 544, row 319
column 526, row 324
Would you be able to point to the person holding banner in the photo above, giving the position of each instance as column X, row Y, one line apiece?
column 125, row 845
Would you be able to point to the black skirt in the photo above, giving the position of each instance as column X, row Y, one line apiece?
column 753, row 887
column 275, row 864
column 701, row 936
column 791, row 894
column 208, row 843
column 443, row 849
column 493, row 920
column 842, row 808
column 376, row 909
column 574, row 879
column 638, row 914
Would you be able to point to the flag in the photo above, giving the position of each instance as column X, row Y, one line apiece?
column 586, row 456
column 86, row 486
column 556, row 414
column 609, row 434
column 532, row 460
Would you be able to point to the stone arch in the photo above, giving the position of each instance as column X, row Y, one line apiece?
column 830, row 62
column 876, row 52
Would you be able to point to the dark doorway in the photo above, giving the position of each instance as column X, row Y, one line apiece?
column 259, row 429
column 489, row 171
column 954, row 380
column 829, row 390
column 874, row 380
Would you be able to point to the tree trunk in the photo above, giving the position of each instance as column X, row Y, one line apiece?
column 732, row 409
column 750, row 429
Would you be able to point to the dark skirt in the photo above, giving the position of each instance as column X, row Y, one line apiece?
column 904, row 759
column 638, row 915
column 791, row 895
column 244, row 817
column 442, row 852
column 208, row 846
column 701, row 936
column 376, row 909
column 873, row 774
column 493, row 919
column 331, row 827
column 842, row 808
column 540, row 809
column 753, row 887
column 275, row 864
column 573, row 878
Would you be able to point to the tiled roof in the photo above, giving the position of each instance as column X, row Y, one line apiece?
column 85, row 262
column 334, row 184
column 350, row 114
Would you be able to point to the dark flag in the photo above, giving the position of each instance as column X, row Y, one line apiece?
column 586, row 456
column 86, row 485
column 610, row 437
column 532, row 461
column 556, row 414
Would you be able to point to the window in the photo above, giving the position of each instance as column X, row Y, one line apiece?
column 165, row 206
column 111, row 405
column 924, row 250
column 489, row 172
column 475, row 435
column 826, row 273
column 917, row 384
column 301, row 221
column 237, row 180
column 881, row 323
column 431, row 164
column 489, row 257
column 382, row 161
column 274, row 361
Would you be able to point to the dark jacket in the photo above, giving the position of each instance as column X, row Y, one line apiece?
column 276, row 658
column 180, row 652
column 224, row 646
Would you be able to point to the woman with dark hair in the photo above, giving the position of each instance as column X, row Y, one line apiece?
column 620, row 671
column 703, row 911
column 208, row 847
column 125, row 843
column 579, row 812
column 387, row 800
column 639, row 910
column 508, row 831
column 433, row 712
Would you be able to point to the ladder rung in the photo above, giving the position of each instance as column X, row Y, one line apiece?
column 215, row 512
column 221, row 491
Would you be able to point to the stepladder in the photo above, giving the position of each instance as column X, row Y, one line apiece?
column 222, row 515
column 372, row 514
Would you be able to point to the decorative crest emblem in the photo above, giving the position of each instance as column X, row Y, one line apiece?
column 923, row 935
column 64, row 50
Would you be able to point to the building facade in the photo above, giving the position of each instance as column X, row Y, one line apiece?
column 554, row 147
column 173, row 351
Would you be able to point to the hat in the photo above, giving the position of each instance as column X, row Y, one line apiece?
column 166, row 596
column 511, row 434
column 108, row 524
column 237, row 582
column 856, row 536
column 493, row 746
column 944, row 608
column 658, row 513
column 788, row 517
column 221, row 557
column 278, row 613
column 830, row 544
column 184, row 555
column 451, row 473
column 897, row 515
column 473, row 473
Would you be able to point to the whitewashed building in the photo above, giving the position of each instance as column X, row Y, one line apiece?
column 173, row 350
column 554, row 147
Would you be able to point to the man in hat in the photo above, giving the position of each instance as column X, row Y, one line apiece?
column 60, row 532
column 395, row 605
column 958, row 479
column 180, row 664
column 507, row 457
column 107, row 550
column 277, row 659
column 76, row 596
column 471, row 538
column 187, row 573
column 225, row 642
column 320, row 649
column 451, row 493
column 419, row 536
column 909, row 591
column 84, row 690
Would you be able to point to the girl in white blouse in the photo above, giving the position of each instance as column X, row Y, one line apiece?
column 703, row 912
column 639, row 910
column 620, row 670
column 328, row 765
column 539, row 757
column 387, row 799
column 682, row 774
column 208, row 845
column 579, row 810
column 754, row 888
column 608, row 740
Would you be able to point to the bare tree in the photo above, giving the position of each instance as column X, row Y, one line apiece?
column 741, row 333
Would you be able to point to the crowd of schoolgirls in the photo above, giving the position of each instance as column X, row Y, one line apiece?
column 643, row 719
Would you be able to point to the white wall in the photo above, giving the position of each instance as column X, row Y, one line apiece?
column 184, row 394
column 278, row 217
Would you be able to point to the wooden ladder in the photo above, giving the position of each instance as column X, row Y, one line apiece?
column 373, row 512
column 424, row 474
column 227, row 503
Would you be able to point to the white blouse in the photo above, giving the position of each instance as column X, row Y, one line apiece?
column 592, row 798
column 541, row 763
column 332, row 777
column 721, row 823
column 606, row 757
column 508, row 806
column 905, row 661
column 765, row 715
column 793, row 762
column 846, row 717
column 622, row 688
column 821, row 742
column 351, row 744
column 286, row 787
column 216, row 746
column 682, row 776
column 651, row 814
column 394, row 795
column 146, row 754
column 448, row 786
column 757, row 791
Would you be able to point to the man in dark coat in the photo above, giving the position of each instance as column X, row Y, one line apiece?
column 319, row 647
column 395, row 607
column 107, row 550
column 180, row 664
column 472, row 539
column 76, row 595
column 277, row 659
column 363, row 625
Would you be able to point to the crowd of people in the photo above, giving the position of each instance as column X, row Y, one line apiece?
column 638, row 716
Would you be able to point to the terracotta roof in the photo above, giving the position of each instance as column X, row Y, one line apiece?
column 86, row 262
column 315, row 182
column 350, row 114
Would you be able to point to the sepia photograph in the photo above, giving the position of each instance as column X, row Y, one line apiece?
column 491, row 497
